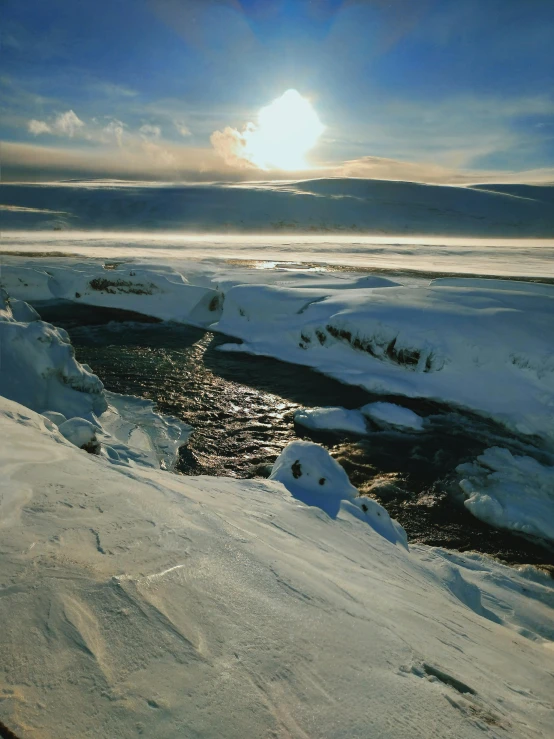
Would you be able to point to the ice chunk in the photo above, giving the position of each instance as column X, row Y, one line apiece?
column 510, row 492
column 393, row 415
column 332, row 419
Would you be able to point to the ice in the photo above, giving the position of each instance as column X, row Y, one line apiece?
column 510, row 492
column 393, row 415
column 332, row 419
column 223, row 607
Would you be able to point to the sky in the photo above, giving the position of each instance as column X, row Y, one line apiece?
column 427, row 90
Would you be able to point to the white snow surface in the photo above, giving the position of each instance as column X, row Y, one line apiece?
column 510, row 492
column 137, row 602
column 393, row 415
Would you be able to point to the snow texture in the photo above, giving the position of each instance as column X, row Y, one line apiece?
column 137, row 602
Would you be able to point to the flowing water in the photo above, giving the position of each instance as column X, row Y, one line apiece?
column 241, row 408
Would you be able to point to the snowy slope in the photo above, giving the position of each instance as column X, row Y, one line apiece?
column 320, row 205
column 140, row 603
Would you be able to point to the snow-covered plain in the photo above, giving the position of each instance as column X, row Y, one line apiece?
column 136, row 602
column 319, row 205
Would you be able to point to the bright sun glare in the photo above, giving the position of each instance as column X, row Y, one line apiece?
column 287, row 129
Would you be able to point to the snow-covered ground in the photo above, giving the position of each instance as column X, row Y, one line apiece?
column 136, row 602
column 320, row 205
column 140, row 603
column 485, row 345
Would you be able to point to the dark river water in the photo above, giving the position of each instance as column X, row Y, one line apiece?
column 241, row 410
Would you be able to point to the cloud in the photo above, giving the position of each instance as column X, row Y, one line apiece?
column 231, row 146
column 65, row 124
column 38, row 127
column 149, row 132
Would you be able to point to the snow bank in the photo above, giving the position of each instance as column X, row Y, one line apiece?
column 391, row 414
column 510, row 492
column 486, row 349
column 138, row 602
column 39, row 370
column 332, row 419
column 155, row 291
column 309, row 472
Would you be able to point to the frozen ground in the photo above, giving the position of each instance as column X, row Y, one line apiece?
column 140, row 603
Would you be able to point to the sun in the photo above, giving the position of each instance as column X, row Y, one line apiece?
column 287, row 129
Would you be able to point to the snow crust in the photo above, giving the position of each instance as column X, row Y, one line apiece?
column 510, row 492
column 139, row 602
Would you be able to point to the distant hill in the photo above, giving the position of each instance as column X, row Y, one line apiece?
column 312, row 206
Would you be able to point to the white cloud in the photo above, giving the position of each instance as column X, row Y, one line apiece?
column 230, row 145
column 68, row 123
column 65, row 124
column 149, row 132
column 38, row 127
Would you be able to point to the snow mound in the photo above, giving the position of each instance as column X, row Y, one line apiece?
column 81, row 433
column 391, row 414
column 312, row 476
column 332, row 419
column 510, row 492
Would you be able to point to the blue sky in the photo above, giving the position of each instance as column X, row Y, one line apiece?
column 417, row 89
